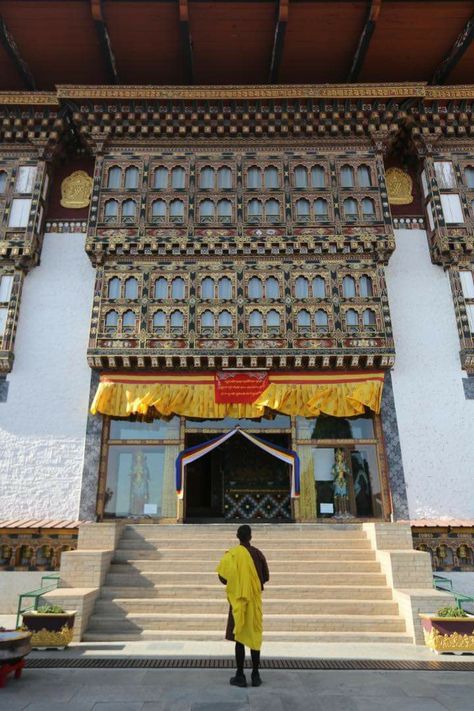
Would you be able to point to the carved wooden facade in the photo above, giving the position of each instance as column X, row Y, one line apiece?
column 28, row 136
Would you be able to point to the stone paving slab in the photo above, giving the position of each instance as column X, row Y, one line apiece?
column 209, row 690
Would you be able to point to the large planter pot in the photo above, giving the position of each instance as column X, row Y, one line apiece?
column 49, row 629
column 448, row 634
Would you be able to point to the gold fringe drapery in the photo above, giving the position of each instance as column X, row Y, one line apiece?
column 190, row 395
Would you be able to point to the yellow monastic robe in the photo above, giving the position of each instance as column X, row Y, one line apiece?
column 244, row 593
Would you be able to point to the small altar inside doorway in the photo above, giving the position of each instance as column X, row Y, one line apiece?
column 238, row 481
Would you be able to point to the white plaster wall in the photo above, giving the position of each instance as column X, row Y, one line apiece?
column 436, row 422
column 43, row 422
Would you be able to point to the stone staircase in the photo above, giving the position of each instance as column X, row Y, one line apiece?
column 325, row 585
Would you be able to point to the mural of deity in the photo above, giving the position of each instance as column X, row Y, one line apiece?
column 340, row 473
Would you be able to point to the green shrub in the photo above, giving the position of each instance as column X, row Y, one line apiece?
column 451, row 612
column 51, row 610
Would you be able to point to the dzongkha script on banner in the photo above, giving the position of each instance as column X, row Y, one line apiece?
column 238, row 387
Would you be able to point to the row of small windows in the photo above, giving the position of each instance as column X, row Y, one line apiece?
column 257, row 178
column 162, row 211
column 223, row 321
column 24, row 182
column 256, row 288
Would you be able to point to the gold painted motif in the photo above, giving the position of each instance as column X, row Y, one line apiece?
column 45, row 638
column 399, row 187
column 76, row 190
column 454, row 642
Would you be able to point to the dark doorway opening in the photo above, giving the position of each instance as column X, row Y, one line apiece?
column 238, row 481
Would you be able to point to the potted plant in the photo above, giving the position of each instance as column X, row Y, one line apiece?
column 450, row 630
column 50, row 626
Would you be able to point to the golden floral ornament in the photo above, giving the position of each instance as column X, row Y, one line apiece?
column 48, row 638
column 454, row 642
column 76, row 190
column 399, row 187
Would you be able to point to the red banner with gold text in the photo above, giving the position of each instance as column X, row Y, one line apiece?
column 239, row 387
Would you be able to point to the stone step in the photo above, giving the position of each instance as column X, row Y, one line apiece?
column 276, row 566
column 272, row 554
column 279, row 623
column 194, row 592
column 178, row 578
column 346, row 638
column 221, row 545
column 258, row 529
column 119, row 606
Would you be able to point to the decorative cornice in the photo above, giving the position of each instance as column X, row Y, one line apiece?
column 293, row 91
column 35, row 98
column 461, row 91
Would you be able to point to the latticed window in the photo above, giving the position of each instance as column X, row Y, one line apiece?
column 224, row 211
column 368, row 209
column 158, row 211
column 207, row 322
column 468, row 175
column 319, row 288
column 302, row 210
column 467, row 284
column 321, row 320
column 350, row 209
column 113, row 288
column 255, row 322
column 255, row 288
column 225, row 322
column 225, row 288
column 347, row 176
column 207, row 288
column 131, row 177
column 254, row 211
column 368, row 319
column 321, row 209
column 271, row 177
column 272, row 288
column 177, row 211
column 254, row 178
column 206, row 211
column 114, row 177
column 177, row 322
column 3, row 181
column 178, row 178
column 224, row 178
column 272, row 211
column 160, row 181
column 6, row 284
column 177, row 288
column 303, row 321
column 273, row 322
column 161, row 288
column 348, row 287
column 352, row 320
column 445, row 174
column 159, row 322
column 206, row 178
column 129, row 322
column 111, row 211
column 301, row 176
column 129, row 211
column 301, row 288
column 111, row 322
column 318, row 177
column 25, row 179
column 364, row 177
column 131, row 288
column 365, row 286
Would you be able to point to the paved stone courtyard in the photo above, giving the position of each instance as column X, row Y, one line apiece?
column 208, row 690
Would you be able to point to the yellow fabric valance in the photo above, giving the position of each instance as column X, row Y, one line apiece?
column 190, row 395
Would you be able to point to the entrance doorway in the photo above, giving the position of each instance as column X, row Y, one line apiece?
column 238, row 481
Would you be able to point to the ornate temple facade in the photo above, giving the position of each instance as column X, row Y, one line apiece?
column 295, row 262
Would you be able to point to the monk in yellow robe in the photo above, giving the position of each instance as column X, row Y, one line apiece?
column 244, row 571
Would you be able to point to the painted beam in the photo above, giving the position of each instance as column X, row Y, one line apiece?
column 364, row 40
column 186, row 40
column 11, row 47
column 278, row 41
column 104, row 40
column 460, row 46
